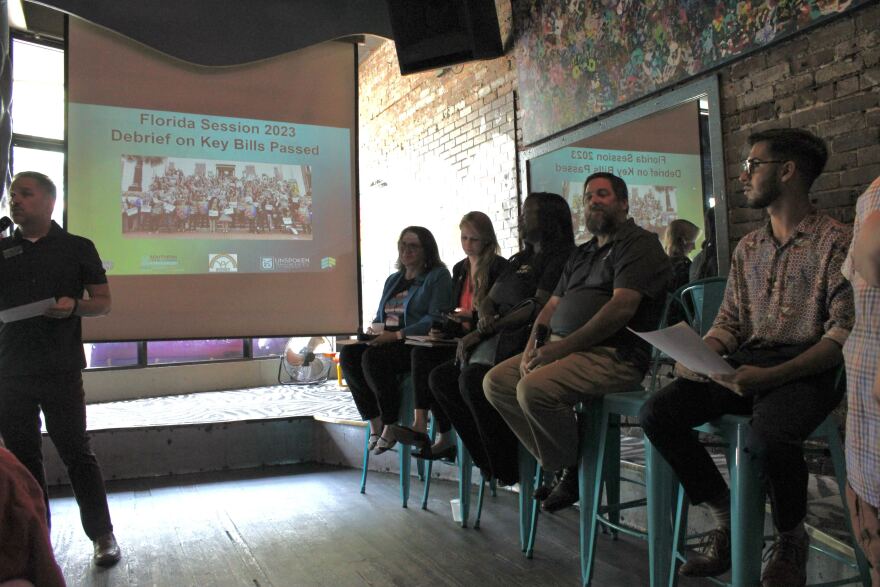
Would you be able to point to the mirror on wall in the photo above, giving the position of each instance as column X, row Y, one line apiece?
column 667, row 149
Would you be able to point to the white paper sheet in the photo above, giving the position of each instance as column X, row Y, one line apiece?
column 26, row 311
column 685, row 346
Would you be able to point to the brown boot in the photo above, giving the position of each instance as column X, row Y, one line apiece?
column 786, row 562
column 107, row 552
column 714, row 559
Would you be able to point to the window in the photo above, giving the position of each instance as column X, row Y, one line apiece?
column 188, row 351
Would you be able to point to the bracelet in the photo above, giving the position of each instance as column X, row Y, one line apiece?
column 75, row 306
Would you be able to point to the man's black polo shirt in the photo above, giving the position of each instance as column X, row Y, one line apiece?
column 631, row 259
column 59, row 264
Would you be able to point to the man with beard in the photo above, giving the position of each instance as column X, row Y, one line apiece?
column 617, row 279
column 786, row 313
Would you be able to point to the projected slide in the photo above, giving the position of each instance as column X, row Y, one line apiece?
column 222, row 200
column 662, row 186
column 164, row 197
column 173, row 193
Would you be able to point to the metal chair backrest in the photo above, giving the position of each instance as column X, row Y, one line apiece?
column 701, row 300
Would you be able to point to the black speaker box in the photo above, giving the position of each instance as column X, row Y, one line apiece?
column 430, row 34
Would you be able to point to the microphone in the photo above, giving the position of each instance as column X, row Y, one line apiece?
column 5, row 223
column 542, row 335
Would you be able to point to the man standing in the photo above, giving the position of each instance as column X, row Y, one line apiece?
column 617, row 279
column 786, row 313
column 41, row 358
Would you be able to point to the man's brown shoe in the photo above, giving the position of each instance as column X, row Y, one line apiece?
column 714, row 558
column 107, row 552
column 786, row 562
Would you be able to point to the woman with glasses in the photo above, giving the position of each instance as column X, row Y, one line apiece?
column 472, row 278
column 417, row 294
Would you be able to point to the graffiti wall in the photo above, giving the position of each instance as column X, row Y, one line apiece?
column 579, row 58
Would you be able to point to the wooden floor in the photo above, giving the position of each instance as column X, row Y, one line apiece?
column 309, row 525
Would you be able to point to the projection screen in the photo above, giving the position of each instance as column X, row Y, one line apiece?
column 221, row 200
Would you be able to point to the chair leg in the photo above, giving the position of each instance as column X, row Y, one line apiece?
column 612, row 469
column 536, row 509
column 659, row 489
column 425, row 469
column 678, row 535
column 366, row 461
column 746, row 513
column 480, row 502
column 591, row 470
column 527, row 469
column 464, row 481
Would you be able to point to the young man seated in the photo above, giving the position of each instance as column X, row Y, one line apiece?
column 786, row 313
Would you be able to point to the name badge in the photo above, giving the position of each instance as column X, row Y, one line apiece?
column 12, row 252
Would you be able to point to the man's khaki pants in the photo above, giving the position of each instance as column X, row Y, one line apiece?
column 539, row 407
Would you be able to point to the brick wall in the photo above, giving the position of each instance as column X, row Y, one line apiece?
column 826, row 80
column 433, row 147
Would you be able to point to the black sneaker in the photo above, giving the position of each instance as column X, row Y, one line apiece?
column 786, row 562
column 565, row 493
column 714, row 558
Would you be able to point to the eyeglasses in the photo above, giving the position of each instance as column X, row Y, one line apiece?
column 750, row 164
column 409, row 247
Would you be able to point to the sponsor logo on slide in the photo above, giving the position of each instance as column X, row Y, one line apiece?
column 158, row 262
column 222, row 263
column 284, row 263
column 328, row 263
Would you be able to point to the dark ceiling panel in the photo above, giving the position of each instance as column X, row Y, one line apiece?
column 232, row 32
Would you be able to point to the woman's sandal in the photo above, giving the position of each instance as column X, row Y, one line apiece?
column 374, row 439
column 384, row 445
column 406, row 435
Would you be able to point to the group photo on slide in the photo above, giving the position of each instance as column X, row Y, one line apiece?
column 169, row 197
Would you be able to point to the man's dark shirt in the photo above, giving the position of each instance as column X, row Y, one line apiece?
column 631, row 259
column 58, row 265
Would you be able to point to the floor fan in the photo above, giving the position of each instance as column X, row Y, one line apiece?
column 305, row 361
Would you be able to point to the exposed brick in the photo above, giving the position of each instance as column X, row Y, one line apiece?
column 855, row 139
column 868, row 155
column 812, row 61
column 793, row 84
column 869, row 78
column 756, row 96
column 840, row 161
column 784, row 105
column 842, row 124
column 768, row 76
column 847, row 86
column 836, row 198
column 826, row 181
column 825, row 93
column 860, row 176
column 804, row 99
column 815, row 115
column 856, row 104
column 837, row 70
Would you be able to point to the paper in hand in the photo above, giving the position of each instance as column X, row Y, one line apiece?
column 26, row 311
column 685, row 346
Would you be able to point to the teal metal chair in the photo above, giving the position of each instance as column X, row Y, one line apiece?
column 600, row 452
column 701, row 300
column 747, row 507
column 403, row 451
